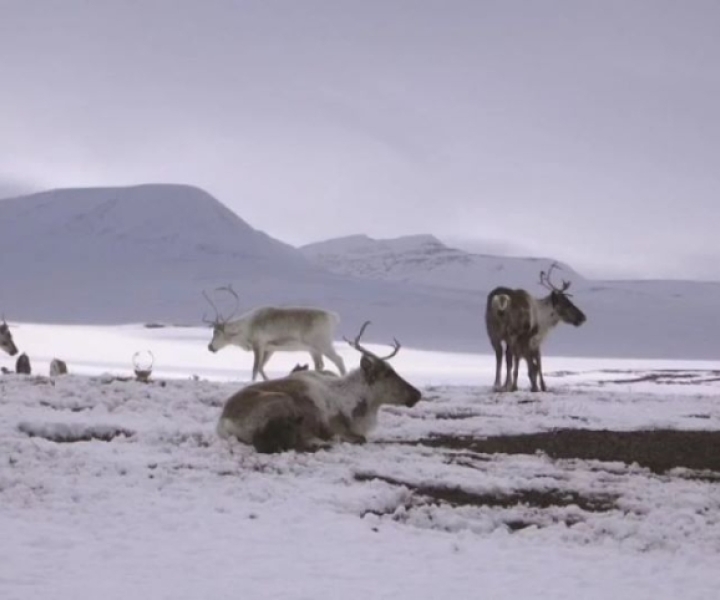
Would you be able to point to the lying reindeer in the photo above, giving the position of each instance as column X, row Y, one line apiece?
column 270, row 329
column 304, row 410
column 523, row 322
column 6, row 339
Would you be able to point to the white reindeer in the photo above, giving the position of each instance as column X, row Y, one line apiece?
column 523, row 322
column 306, row 410
column 270, row 329
column 6, row 339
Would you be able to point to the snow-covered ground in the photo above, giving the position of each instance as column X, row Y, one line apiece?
column 442, row 502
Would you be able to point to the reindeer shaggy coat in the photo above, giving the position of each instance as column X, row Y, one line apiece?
column 269, row 329
column 307, row 410
column 523, row 322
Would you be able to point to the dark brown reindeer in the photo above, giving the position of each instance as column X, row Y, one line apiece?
column 306, row 410
column 22, row 365
column 522, row 322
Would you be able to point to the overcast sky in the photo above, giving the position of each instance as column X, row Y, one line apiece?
column 584, row 130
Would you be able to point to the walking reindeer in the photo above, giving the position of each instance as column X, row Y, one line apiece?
column 6, row 339
column 270, row 329
column 306, row 410
column 522, row 322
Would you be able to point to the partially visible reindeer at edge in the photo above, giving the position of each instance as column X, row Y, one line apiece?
column 269, row 329
column 6, row 339
column 523, row 322
column 305, row 411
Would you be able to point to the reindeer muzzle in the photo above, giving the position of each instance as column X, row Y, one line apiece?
column 414, row 398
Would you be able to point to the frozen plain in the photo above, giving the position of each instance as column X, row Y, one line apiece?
column 166, row 510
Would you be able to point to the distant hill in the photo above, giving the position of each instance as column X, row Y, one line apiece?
column 423, row 259
column 144, row 253
column 626, row 318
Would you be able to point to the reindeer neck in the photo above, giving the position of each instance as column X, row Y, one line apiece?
column 547, row 317
column 352, row 390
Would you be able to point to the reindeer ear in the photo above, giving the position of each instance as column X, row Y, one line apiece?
column 369, row 367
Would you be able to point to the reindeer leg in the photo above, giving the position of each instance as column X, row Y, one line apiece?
column 532, row 370
column 265, row 358
column 516, row 367
column 336, row 359
column 539, row 370
column 317, row 361
column 340, row 427
column 262, row 359
column 256, row 362
column 508, row 367
column 498, row 366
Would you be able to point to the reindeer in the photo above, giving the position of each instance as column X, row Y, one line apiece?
column 58, row 367
column 22, row 364
column 523, row 322
column 305, row 411
column 6, row 339
column 270, row 329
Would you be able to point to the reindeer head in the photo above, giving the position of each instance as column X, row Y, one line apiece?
column 6, row 339
column 221, row 337
column 299, row 367
column 387, row 387
column 560, row 299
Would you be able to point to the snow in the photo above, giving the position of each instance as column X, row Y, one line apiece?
column 166, row 509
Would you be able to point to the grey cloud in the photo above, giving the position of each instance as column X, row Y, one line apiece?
column 586, row 131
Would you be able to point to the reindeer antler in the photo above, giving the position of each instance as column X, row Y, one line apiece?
column 135, row 361
column 219, row 319
column 547, row 283
column 356, row 344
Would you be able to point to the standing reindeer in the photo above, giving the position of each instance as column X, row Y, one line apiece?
column 6, row 339
column 305, row 410
column 270, row 329
column 523, row 322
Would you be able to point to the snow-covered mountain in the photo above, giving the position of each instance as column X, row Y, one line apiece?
column 425, row 260
column 626, row 318
column 145, row 253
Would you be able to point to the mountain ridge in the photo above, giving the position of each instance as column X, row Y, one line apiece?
column 106, row 256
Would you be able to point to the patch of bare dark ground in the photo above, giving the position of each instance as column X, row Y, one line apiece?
column 62, row 436
column 71, row 408
column 457, row 497
column 658, row 450
column 659, row 376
